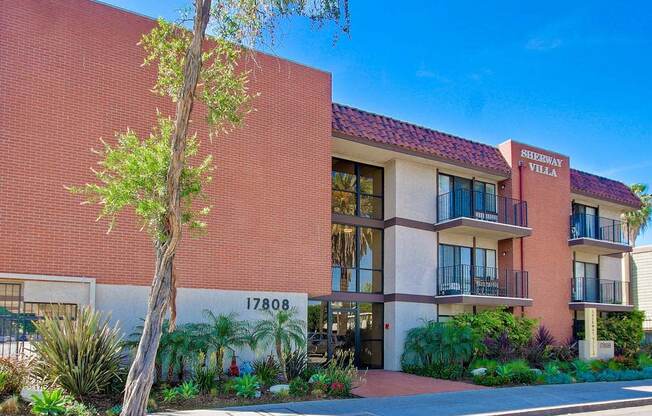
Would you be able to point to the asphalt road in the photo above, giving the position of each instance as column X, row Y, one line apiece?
column 629, row 411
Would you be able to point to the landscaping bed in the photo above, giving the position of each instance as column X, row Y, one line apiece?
column 496, row 348
column 80, row 366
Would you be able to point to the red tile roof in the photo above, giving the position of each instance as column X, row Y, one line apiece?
column 351, row 122
column 603, row 188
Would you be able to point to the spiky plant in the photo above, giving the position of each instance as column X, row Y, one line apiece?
column 83, row 355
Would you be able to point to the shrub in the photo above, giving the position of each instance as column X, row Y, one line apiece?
column 188, row 390
column 521, row 373
column 493, row 323
column 246, row 386
column 299, row 387
column 15, row 375
column 319, row 381
column 559, row 378
column 598, row 365
column 267, row 370
column 49, row 403
column 490, row 380
column 10, row 406
column 206, row 378
column 114, row 411
column 501, row 348
column 487, row 363
column 625, row 329
column 170, row 395
column 644, row 360
column 538, row 350
column 295, row 363
column 438, row 343
column 76, row 408
column 83, row 355
column 341, row 369
column 580, row 366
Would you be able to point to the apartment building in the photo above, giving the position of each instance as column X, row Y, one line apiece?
column 363, row 223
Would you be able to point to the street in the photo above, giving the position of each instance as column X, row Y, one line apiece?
column 629, row 411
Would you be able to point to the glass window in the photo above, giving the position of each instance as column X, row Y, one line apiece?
column 51, row 310
column 357, row 189
column 357, row 257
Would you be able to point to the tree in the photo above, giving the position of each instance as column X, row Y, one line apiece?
column 224, row 332
column 283, row 329
column 154, row 175
column 638, row 220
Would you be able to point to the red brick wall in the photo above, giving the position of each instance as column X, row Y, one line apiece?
column 547, row 256
column 69, row 74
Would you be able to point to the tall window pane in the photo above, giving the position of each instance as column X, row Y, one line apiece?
column 357, row 189
column 357, row 256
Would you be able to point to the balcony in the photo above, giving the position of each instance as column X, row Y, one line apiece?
column 602, row 294
column 477, row 285
column 598, row 235
column 482, row 214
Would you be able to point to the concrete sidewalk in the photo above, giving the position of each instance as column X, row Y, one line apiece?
column 512, row 400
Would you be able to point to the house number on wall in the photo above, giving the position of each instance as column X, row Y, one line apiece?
column 267, row 303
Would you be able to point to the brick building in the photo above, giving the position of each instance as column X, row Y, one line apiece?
column 372, row 222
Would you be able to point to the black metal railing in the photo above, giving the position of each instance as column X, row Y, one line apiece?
column 17, row 333
column 481, row 205
column 598, row 228
column 589, row 289
column 465, row 279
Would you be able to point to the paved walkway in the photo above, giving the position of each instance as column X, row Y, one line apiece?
column 382, row 383
column 473, row 402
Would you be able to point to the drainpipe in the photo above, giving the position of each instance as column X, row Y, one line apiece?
column 520, row 197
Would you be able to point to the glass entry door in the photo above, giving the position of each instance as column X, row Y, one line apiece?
column 355, row 327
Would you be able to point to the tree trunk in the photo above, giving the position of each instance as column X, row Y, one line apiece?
column 141, row 374
column 281, row 360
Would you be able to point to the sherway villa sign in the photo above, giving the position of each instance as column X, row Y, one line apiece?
column 547, row 165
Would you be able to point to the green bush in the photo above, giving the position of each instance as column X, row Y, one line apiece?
column 188, row 390
column 206, row 378
column 170, row 395
column 299, row 387
column 80, row 409
column 580, row 366
column 436, row 344
column 559, row 378
column 492, row 323
column 49, row 403
column 246, row 386
column 644, row 361
column 625, row 329
column 487, row 363
column 82, row 355
column 341, row 370
column 267, row 370
column 520, row 372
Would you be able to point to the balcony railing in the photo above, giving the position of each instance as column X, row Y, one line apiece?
column 481, row 205
column 589, row 289
column 598, row 228
column 464, row 279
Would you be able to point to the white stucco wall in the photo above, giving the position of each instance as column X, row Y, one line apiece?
column 401, row 317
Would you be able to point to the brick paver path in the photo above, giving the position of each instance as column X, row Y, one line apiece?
column 382, row 383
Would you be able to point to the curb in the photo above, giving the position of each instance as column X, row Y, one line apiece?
column 574, row 408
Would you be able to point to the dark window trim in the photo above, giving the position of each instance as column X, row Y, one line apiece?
column 359, row 193
column 357, row 267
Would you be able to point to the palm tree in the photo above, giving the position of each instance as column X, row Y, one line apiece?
column 224, row 332
column 638, row 220
column 281, row 328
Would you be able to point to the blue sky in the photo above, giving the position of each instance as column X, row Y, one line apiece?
column 574, row 78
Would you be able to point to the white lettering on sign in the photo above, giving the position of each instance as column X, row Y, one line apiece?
column 547, row 164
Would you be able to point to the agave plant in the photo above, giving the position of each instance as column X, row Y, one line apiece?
column 83, row 356
column 282, row 329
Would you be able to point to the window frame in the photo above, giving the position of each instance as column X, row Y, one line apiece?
column 358, row 191
column 356, row 266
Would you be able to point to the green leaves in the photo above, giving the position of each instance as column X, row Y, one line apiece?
column 133, row 173
column 83, row 356
column 222, row 87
